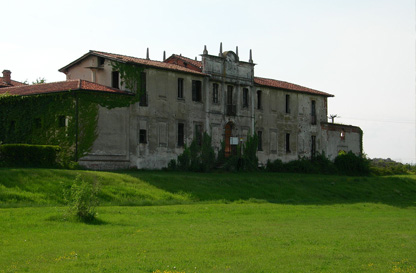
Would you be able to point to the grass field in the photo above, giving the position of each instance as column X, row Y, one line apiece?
column 252, row 222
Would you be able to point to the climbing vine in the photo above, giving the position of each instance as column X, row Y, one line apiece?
column 131, row 76
column 68, row 119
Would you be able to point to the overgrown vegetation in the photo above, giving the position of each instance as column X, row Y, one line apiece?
column 25, row 155
column 82, row 199
column 67, row 119
column 202, row 158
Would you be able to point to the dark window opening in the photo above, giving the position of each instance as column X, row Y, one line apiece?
column 115, row 79
column 198, row 134
column 287, row 143
column 180, row 88
column 62, row 121
column 260, row 141
column 231, row 108
column 215, row 87
column 313, row 113
column 142, row 136
column 313, row 146
column 259, row 105
column 245, row 97
column 181, row 134
column 196, row 91
column 101, row 61
column 143, row 93
column 287, row 104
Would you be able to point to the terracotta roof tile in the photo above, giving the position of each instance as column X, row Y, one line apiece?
column 54, row 87
column 145, row 62
column 173, row 59
column 13, row 83
column 288, row 86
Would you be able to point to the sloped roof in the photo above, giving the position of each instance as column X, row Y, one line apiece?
column 13, row 83
column 173, row 59
column 288, row 86
column 197, row 69
column 259, row 80
column 55, row 87
column 133, row 60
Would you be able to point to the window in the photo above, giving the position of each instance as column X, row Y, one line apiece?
column 259, row 99
column 287, row 143
column 198, row 134
column 142, row 136
column 287, row 104
column 215, row 87
column 245, row 97
column 115, row 79
column 181, row 135
column 313, row 113
column 101, row 61
column 313, row 146
column 180, row 88
column 196, row 91
column 62, row 121
column 231, row 108
column 260, row 141
column 143, row 92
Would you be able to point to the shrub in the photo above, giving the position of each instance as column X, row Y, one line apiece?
column 351, row 164
column 207, row 154
column 25, row 155
column 184, row 159
column 275, row 166
column 82, row 199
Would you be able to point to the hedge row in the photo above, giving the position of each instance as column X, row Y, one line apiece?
column 26, row 155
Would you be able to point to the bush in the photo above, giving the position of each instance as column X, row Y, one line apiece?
column 25, row 155
column 82, row 199
column 351, row 164
column 275, row 166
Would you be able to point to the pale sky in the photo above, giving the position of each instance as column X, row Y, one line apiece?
column 362, row 51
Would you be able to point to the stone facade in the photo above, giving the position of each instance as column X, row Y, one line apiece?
column 220, row 95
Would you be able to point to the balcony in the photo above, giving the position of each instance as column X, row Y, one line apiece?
column 231, row 110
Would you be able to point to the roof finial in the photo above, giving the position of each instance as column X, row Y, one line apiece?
column 147, row 54
column 220, row 50
column 236, row 50
column 205, row 50
column 164, row 55
column 251, row 57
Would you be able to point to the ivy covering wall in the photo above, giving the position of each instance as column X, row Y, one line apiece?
column 67, row 119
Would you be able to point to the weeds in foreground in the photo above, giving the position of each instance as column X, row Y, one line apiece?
column 82, row 199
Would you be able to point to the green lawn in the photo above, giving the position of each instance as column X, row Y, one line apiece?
column 210, row 223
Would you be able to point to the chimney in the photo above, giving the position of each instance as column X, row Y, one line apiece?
column 6, row 76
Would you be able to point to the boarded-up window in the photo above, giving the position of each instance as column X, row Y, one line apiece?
column 163, row 134
column 273, row 142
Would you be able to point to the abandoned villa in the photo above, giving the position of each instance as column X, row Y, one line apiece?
column 107, row 120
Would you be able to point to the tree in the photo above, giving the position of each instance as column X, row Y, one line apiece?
column 39, row 81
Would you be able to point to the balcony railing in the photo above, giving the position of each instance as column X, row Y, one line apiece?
column 231, row 110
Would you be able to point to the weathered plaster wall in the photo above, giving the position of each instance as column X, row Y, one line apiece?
column 338, row 137
column 118, row 141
